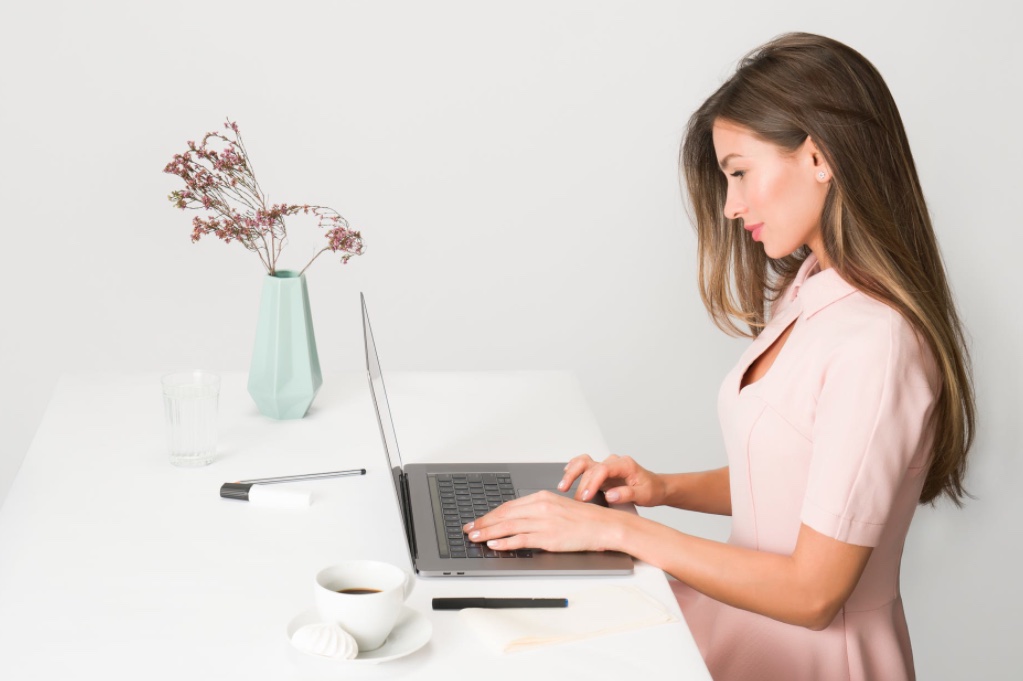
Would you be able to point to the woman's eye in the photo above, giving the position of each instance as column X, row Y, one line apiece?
column 739, row 174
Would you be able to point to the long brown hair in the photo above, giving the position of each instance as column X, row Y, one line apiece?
column 875, row 226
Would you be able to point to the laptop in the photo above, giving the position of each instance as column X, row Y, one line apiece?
column 437, row 499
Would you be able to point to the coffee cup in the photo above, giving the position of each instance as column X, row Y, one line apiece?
column 364, row 597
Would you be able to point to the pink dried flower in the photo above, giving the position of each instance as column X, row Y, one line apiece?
column 219, row 179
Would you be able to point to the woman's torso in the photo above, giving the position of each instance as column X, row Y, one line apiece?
column 838, row 340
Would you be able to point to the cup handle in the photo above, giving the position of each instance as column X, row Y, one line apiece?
column 410, row 582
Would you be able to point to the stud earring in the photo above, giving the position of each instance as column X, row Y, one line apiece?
column 821, row 175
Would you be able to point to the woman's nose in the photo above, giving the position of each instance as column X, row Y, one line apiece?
column 734, row 207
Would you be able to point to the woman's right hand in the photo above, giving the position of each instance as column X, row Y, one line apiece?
column 622, row 480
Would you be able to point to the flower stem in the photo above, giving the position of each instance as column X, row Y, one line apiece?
column 311, row 261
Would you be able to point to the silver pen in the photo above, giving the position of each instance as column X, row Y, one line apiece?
column 306, row 476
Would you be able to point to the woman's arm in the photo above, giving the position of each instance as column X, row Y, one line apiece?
column 807, row 588
column 705, row 492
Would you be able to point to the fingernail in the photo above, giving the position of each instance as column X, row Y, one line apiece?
column 494, row 544
column 612, row 496
column 470, row 526
column 475, row 535
column 586, row 494
column 561, row 485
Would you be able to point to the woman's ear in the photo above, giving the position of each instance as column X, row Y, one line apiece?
column 819, row 166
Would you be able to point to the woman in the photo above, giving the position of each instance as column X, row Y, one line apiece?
column 852, row 404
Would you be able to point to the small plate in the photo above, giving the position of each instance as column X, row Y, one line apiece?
column 410, row 633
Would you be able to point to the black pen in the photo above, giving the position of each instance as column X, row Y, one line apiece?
column 459, row 603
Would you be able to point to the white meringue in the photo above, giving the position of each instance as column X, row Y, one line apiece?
column 326, row 639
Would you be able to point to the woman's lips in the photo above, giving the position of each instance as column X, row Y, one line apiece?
column 755, row 230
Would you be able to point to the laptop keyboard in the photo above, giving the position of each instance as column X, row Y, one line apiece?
column 463, row 497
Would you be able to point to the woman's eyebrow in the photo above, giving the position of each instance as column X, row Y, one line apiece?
column 723, row 163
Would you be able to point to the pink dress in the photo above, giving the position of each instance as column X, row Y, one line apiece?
column 836, row 435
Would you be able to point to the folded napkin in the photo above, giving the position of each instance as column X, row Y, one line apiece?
column 593, row 612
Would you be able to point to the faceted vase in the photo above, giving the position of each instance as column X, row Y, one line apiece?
column 285, row 372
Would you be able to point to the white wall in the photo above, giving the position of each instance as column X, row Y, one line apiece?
column 513, row 169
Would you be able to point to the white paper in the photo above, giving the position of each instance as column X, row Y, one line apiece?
column 594, row 612
column 263, row 495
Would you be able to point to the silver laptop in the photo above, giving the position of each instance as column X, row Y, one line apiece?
column 436, row 500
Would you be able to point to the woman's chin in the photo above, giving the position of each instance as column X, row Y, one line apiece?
column 774, row 251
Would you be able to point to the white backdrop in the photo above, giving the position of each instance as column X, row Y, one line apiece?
column 513, row 168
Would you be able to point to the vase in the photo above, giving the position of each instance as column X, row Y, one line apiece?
column 284, row 376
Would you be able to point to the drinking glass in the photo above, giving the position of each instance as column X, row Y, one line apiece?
column 190, row 406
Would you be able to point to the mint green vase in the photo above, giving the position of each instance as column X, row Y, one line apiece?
column 285, row 372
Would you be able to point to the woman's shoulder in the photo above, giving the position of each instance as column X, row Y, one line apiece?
column 857, row 315
column 844, row 320
column 873, row 334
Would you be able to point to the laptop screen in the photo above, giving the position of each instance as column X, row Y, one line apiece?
column 387, row 434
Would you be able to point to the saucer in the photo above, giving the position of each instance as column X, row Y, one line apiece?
column 410, row 633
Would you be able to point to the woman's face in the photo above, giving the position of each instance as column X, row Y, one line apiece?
column 779, row 196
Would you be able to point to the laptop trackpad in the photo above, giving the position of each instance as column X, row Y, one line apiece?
column 598, row 499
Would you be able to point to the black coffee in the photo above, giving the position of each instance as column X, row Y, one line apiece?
column 356, row 591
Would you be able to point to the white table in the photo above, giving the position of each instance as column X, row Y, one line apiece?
column 116, row 565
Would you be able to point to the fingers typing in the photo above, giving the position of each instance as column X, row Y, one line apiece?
column 574, row 469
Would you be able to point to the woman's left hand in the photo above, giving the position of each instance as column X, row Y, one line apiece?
column 551, row 522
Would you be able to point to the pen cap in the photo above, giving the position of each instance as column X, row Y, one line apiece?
column 236, row 490
column 262, row 495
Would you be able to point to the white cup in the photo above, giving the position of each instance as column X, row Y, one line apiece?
column 368, row 617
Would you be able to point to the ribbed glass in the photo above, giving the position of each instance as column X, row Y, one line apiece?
column 190, row 406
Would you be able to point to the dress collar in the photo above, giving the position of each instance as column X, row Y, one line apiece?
column 816, row 288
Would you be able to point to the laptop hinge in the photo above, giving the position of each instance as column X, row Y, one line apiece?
column 410, row 529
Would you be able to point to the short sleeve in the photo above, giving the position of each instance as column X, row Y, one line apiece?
column 871, row 427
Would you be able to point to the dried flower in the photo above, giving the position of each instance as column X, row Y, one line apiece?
column 219, row 179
